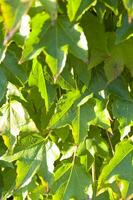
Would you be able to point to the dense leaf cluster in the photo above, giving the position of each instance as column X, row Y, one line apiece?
column 66, row 99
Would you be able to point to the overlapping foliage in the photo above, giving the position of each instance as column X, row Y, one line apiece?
column 66, row 99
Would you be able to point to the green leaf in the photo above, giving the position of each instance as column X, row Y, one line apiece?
column 96, row 144
column 27, row 140
column 77, row 8
column 113, row 5
column 50, row 7
column 104, row 195
column 129, row 6
column 33, row 191
column 118, row 165
column 2, row 147
column 37, row 24
column 102, row 118
column 44, row 170
column 13, row 71
column 12, row 119
column 66, row 99
column 2, row 48
column 66, row 80
column 124, row 32
column 62, row 35
column 35, row 106
column 123, row 111
column 85, row 113
column 96, row 37
column 36, row 78
column 119, row 87
column 114, row 65
column 28, row 165
column 84, row 6
column 63, row 133
column 63, row 105
column 8, row 186
column 12, row 12
column 67, row 176
column 80, row 69
column 98, row 80
column 72, row 8
column 3, row 85
column 120, row 56
column 127, row 48
column 67, row 118
column 52, row 154
column 81, row 149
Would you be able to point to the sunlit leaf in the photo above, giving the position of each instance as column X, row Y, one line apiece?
column 77, row 8
column 36, row 78
column 129, row 6
column 12, row 118
column 66, row 99
column 3, row 84
column 124, row 32
column 74, row 40
column 102, row 118
column 84, row 114
column 15, row 73
column 28, row 165
column 65, row 177
column 118, row 165
column 12, row 12
column 51, row 7
column 63, row 106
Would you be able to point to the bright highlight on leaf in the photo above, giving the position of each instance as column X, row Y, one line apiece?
column 25, row 27
column 49, row 38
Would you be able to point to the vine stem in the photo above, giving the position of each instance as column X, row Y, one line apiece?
column 110, row 143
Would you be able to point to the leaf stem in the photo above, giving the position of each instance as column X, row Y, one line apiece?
column 93, row 171
column 111, row 146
